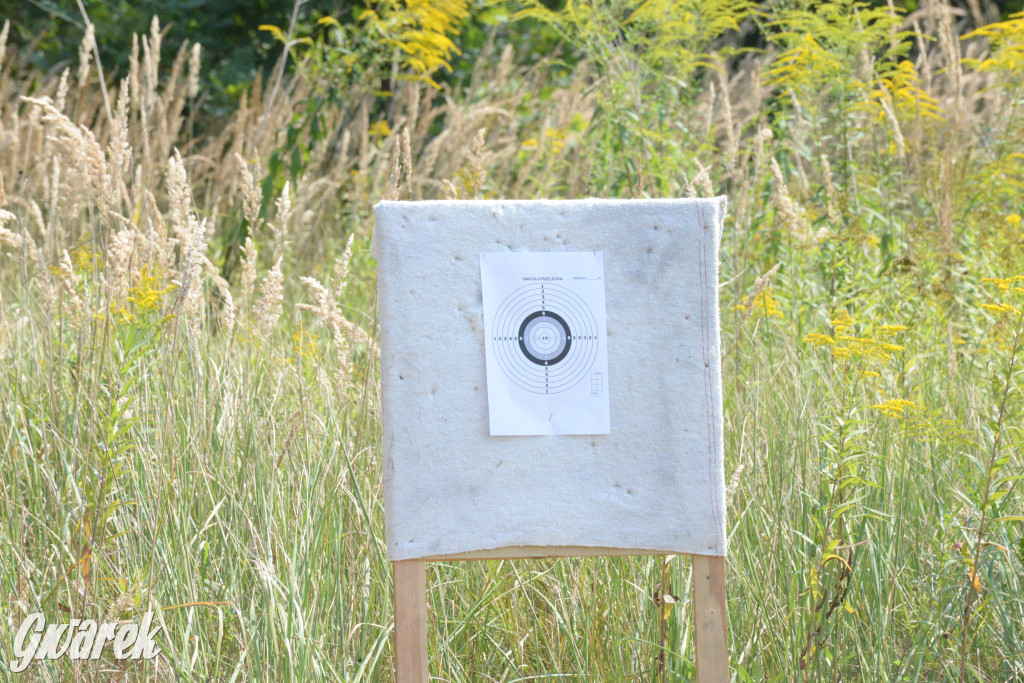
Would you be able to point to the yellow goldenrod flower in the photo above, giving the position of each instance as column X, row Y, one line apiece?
column 842, row 322
column 768, row 304
column 147, row 295
column 1013, row 219
column 819, row 339
column 841, row 353
column 762, row 304
column 380, row 128
column 1000, row 308
column 894, row 407
column 848, row 347
column 86, row 260
column 1003, row 283
column 890, row 330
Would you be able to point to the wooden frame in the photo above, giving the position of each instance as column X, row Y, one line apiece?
column 425, row 254
column 711, row 630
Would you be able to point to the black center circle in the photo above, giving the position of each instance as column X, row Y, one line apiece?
column 545, row 338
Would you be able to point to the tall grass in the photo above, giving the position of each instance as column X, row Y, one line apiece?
column 189, row 405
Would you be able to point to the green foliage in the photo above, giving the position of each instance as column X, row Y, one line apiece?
column 648, row 55
column 233, row 52
column 390, row 42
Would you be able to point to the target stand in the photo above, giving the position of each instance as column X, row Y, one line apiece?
column 652, row 485
column 711, row 630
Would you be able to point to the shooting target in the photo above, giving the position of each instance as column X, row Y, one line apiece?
column 544, row 338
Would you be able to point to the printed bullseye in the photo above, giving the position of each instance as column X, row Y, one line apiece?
column 545, row 338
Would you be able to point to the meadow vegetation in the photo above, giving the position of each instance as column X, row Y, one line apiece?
column 189, row 397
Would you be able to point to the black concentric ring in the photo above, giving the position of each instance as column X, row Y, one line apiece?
column 530, row 349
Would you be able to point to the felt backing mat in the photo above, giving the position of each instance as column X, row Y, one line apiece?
column 656, row 483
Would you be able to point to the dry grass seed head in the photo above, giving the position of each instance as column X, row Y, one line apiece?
column 252, row 196
column 702, row 181
column 3, row 39
column 325, row 308
column 87, row 172
column 119, row 606
column 789, row 212
column 120, row 249
column 62, row 89
column 85, row 53
column 760, row 284
column 133, row 72
column 118, row 149
column 831, row 197
column 268, row 309
column 284, row 207
column 191, row 284
column 248, row 277
column 193, row 71
column 69, row 281
column 227, row 309
column 8, row 239
column 478, row 164
column 391, row 188
column 341, row 266
column 178, row 199
column 407, row 160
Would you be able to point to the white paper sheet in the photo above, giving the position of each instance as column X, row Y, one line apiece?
column 545, row 327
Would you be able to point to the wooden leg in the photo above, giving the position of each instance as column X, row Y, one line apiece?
column 410, row 577
column 711, row 627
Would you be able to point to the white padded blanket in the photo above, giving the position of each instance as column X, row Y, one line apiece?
column 654, row 484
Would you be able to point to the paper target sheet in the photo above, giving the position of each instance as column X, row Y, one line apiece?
column 546, row 345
